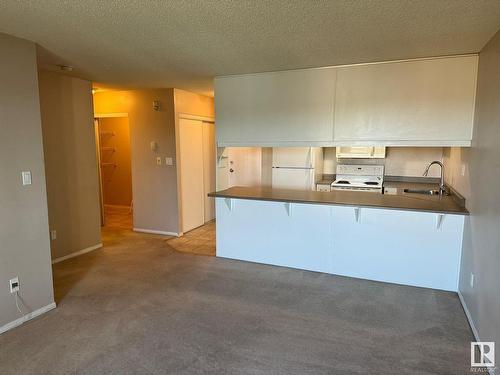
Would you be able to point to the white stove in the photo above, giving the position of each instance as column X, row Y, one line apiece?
column 369, row 178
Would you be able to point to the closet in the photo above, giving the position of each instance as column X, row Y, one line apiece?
column 197, row 155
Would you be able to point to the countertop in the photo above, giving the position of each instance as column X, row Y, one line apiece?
column 411, row 202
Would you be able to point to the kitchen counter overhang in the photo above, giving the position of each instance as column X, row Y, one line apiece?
column 407, row 202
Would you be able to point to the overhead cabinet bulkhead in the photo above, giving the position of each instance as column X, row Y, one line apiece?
column 427, row 102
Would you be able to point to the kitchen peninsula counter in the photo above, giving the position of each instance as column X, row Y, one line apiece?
column 406, row 201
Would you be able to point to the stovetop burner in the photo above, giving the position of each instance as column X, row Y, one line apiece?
column 343, row 182
column 371, row 183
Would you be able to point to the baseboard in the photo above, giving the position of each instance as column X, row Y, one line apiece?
column 491, row 371
column 156, row 232
column 77, row 253
column 27, row 317
column 469, row 316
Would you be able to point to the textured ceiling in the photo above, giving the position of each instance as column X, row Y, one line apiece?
column 152, row 43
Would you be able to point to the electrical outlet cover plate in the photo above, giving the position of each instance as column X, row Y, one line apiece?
column 14, row 285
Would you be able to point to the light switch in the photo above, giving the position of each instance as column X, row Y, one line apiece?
column 26, row 177
column 169, row 161
column 158, row 160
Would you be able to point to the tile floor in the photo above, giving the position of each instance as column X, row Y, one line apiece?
column 199, row 241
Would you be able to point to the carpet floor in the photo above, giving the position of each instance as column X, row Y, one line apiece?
column 139, row 307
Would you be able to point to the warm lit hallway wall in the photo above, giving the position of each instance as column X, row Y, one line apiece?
column 480, row 186
column 115, row 156
column 154, row 187
column 70, row 163
column 24, row 229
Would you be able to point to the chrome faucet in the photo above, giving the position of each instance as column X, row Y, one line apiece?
column 442, row 188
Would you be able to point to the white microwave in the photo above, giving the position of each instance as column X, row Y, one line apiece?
column 368, row 152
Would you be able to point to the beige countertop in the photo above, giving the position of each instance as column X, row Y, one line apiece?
column 402, row 201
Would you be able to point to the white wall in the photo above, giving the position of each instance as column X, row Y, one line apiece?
column 24, row 228
column 481, row 186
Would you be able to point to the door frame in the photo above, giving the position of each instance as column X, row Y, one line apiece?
column 97, row 136
column 178, row 162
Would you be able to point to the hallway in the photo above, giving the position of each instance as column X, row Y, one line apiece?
column 118, row 217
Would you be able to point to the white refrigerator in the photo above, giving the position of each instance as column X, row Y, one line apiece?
column 297, row 168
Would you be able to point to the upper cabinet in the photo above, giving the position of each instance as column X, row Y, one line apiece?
column 292, row 108
column 418, row 102
column 426, row 102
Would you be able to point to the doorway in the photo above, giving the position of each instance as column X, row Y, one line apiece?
column 115, row 170
column 239, row 166
column 197, row 170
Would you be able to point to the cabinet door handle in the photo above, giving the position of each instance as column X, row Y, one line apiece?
column 357, row 214
column 439, row 221
column 229, row 203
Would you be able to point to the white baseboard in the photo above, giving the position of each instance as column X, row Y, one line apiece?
column 27, row 317
column 491, row 371
column 469, row 316
column 156, row 232
column 75, row 254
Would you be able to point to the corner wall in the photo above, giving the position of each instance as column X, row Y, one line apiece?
column 70, row 163
column 480, row 186
column 24, row 229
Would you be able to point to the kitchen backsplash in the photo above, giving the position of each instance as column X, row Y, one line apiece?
column 399, row 161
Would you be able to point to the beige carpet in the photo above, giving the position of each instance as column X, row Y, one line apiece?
column 138, row 307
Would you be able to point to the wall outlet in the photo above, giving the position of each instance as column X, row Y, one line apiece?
column 472, row 281
column 14, row 284
column 158, row 160
column 53, row 234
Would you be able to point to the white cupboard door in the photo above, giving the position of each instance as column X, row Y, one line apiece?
column 191, row 171
column 427, row 101
column 209, row 165
column 275, row 109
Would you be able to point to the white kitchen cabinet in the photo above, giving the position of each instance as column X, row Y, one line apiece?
column 419, row 102
column 291, row 235
column 292, row 108
column 403, row 247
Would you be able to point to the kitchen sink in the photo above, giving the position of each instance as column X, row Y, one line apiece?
column 421, row 191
